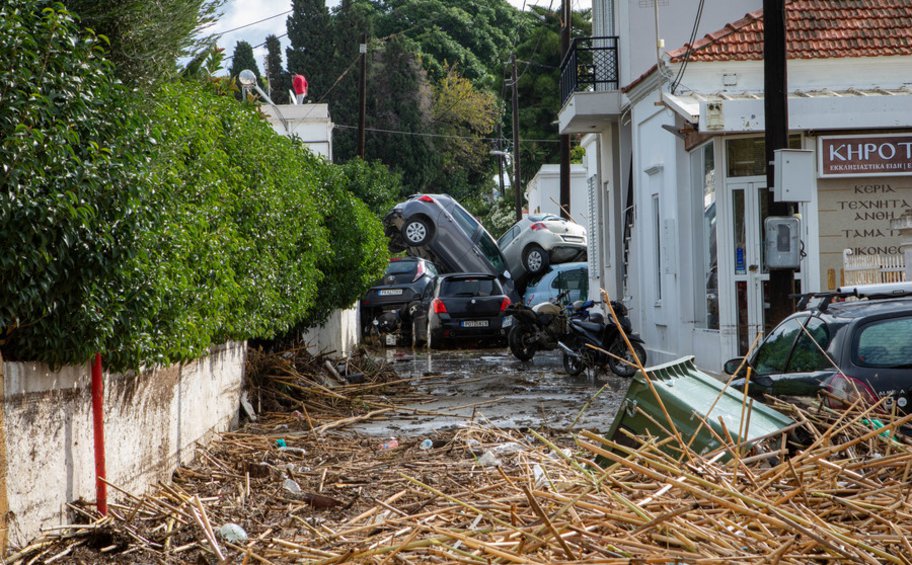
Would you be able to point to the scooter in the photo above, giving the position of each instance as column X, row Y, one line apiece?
column 606, row 336
column 541, row 327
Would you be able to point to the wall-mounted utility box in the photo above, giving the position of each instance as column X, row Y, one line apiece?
column 794, row 178
column 783, row 242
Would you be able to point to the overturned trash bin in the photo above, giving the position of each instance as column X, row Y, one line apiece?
column 703, row 416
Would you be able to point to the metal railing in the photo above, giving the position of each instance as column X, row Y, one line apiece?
column 591, row 65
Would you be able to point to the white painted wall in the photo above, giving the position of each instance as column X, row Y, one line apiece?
column 543, row 192
column 152, row 423
column 338, row 336
column 310, row 122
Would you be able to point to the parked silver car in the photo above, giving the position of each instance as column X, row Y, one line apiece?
column 437, row 228
column 537, row 241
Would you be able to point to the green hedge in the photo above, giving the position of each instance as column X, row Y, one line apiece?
column 150, row 228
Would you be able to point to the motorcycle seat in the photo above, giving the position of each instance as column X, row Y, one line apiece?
column 588, row 326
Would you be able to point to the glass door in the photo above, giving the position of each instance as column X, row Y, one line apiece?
column 748, row 207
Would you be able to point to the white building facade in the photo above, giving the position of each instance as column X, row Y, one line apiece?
column 677, row 169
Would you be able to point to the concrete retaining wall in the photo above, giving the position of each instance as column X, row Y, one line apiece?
column 338, row 336
column 152, row 421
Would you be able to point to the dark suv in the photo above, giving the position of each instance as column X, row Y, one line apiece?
column 437, row 228
column 385, row 305
column 846, row 348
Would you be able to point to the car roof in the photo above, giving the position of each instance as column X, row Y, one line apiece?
column 862, row 308
column 449, row 276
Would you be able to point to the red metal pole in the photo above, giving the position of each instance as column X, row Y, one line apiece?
column 101, row 489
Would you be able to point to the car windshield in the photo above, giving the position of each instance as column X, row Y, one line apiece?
column 490, row 250
column 401, row 267
column 469, row 287
column 885, row 344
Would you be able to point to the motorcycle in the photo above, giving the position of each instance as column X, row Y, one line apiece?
column 541, row 327
column 606, row 336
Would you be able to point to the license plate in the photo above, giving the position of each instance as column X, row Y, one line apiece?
column 507, row 322
column 475, row 324
column 390, row 339
column 389, row 292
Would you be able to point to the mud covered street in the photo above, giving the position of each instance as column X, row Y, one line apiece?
column 491, row 387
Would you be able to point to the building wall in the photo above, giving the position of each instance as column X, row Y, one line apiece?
column 337, row 336
column 153, row 421
column 543, row 192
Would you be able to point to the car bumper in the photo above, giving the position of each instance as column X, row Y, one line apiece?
column 463, row 328
column 567, row 252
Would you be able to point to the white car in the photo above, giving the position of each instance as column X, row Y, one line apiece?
column 537, row 241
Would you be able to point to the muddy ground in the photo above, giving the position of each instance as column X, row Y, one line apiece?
column 490, row 386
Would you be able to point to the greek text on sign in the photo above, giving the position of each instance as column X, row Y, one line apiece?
column 865, row 155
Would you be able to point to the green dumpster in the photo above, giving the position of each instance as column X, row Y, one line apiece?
column 696, row 404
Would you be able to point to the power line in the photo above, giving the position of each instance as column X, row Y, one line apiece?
column 254, row 23
column 693, row 37
column 419, row 134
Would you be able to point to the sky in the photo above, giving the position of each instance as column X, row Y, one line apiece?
column 237, row 13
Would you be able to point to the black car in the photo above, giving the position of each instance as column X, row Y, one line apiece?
column 384, row 307
column 437, row 228
column 842, row 347
column 463, row 306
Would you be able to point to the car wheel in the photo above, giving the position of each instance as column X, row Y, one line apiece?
column 535, row 259
column 416, row 232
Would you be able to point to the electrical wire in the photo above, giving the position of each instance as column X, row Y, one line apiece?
column 442, row 135
column 693, row 37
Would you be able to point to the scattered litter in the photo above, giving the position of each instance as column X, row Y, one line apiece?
column 426, row 444
column 489, row 460
column 391, row 443
column 292, row 486
column 233, row 533
column 280, row 443
column 507, row 448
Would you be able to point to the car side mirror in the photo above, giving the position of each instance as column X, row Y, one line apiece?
column 732, row 365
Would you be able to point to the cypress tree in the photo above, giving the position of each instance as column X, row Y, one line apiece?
column 279, row 79
column 243, row 59
column 310, row 54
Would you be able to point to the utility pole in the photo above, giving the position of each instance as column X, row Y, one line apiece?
column 500, row 156
column 565, row 139
column 775, row 107
column 516, row 188
column 362, row 49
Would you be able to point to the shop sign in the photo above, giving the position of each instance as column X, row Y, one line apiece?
column 875, row 155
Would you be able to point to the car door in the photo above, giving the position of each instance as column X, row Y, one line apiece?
column 792, row 359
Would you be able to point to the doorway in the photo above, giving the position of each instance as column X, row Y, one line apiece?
column 748, row 207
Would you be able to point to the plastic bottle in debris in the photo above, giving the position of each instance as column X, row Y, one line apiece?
column 426, row 444
column 391, row 443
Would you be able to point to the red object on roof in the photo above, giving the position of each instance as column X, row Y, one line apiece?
column 299, row 84
column 815, row 29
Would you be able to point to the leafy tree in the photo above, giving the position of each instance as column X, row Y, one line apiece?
column 243, row 59
column 401, row 101
column 464, row 115
column 148, row 36
column 538, row 62
column 310, row 35
column 351, row 18
column 278, row 79
column 474, row 37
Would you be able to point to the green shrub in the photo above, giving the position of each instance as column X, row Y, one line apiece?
column 70, row 150
column 149, row 227
column 374, row 183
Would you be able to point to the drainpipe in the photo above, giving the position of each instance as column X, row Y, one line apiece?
column 101, row 489
column 903, row 225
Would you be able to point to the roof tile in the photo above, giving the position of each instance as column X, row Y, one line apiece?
column 815, row 29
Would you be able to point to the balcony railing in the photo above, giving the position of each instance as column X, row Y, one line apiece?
column 591, row 65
